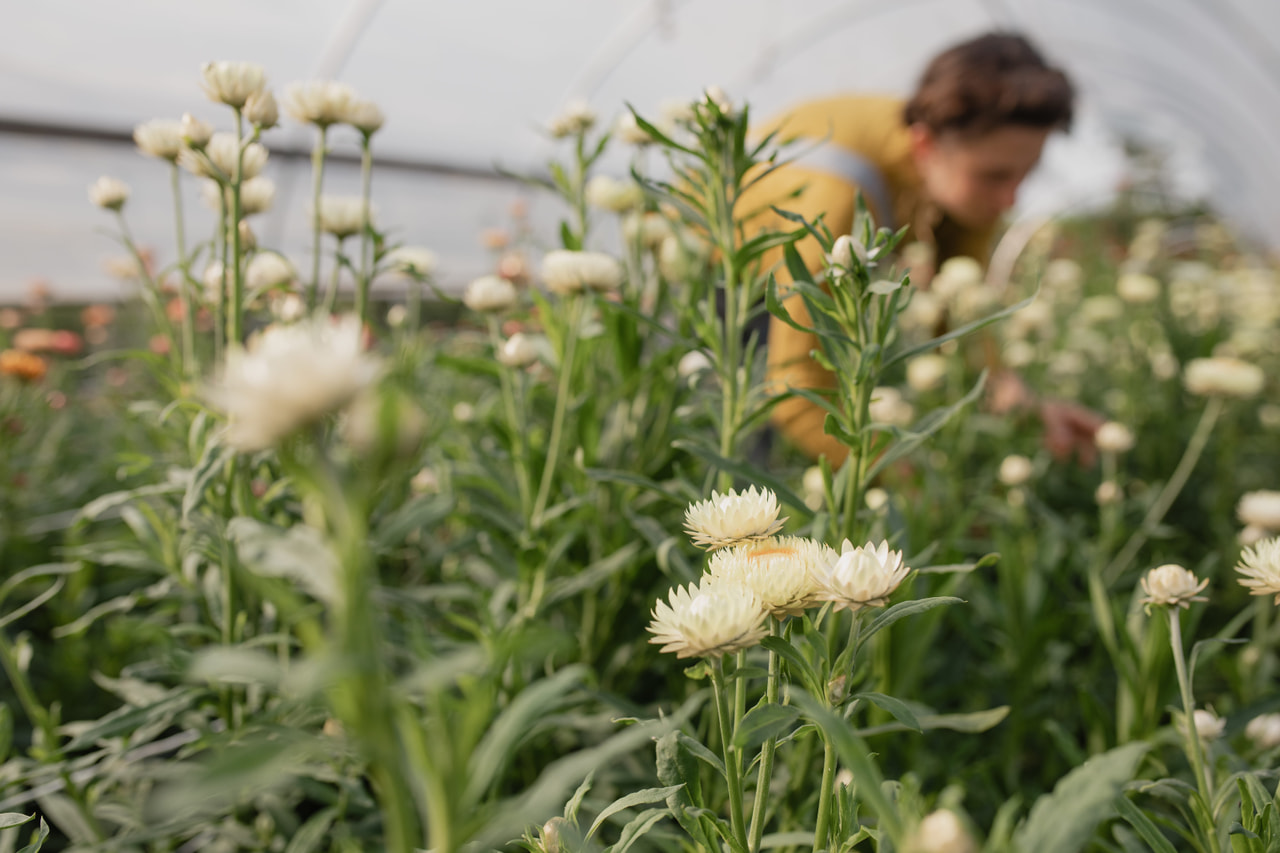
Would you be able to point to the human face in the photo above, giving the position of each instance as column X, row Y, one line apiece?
column 975, row 179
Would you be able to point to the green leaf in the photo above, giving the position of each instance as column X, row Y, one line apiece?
column 575, row 802
column 637, row 828
column 970, row 723
column 902, row 610
column 37, row 839
column 8, row 820
column 764, row 722
column 1064, row 820
column 899, row 709
column 310, row 835
column 924, row 428
column 1145, row 827
column 298, row 553
column 792, row 656
column 636, row 798
column 911, row 352
column 212, row 462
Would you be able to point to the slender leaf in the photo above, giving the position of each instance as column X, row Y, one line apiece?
column 637, row 798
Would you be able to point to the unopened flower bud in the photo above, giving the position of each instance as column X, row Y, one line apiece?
column 109, row 193
column 1113, row 437
column 195, row 133
column 1015, row 470
column 261, row 109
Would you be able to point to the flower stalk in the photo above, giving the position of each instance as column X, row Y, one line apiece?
column 317, row 183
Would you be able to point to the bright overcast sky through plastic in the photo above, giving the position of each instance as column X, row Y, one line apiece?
column 465, row 87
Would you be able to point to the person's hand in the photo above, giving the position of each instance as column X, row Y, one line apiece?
column 1069, row 429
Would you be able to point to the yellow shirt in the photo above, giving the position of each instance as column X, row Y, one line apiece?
column 872, row 129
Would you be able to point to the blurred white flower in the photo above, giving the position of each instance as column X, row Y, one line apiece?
column 219, row 159
column 194, row 132
column 261, row 109
column 1100, row 309
column 1260, row 567
column 1260, row 508
column 675, row 111
column 287, row 307
column 464, row 412
column 923, row 313
column 814, row 488
column 712, row 618
column 1107, row 493
column 1264, row 731
column 257, row 195
column 160, row 138
column 1209, row 726
column 1018, row 354
column 888, row 407
column 490, row 293
column 715, row 95
column 692, row 363
column 1063, row 274
column 365, row 116
column 646, row 229
column 267, row 269
column 565, row 272
column 1137, row 288
column 414, row 260
column 1173, row 585
column 519, row 350
column 608, row 193
column 941, row 832
column 1225, row 377
column 212, row 280
column 109, row 193
column 845, row 250
column 342, row 216
column 577, row 117
column 396, row 315
column 1251, row 534
column 425, row 481
column 1113, row 437
column 627, row 130
column 1164, row 364
column 782, row 571
column 926, row 372
column 876, row 498
column 1036, row 318
column 289, row 376
column 956, row 275
column 319, row 102
column 863, row 577
column 1015, row 470
column 232, row 83
column 732, row 518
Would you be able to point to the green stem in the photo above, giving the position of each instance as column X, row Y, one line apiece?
column 821, row 828
column 515, row 424
column 235, row 315
column 732, row 759
column 317, row 182
column 765, row 773
column 1168, row 494
column 36, row 713
column 150, row 288
column 563, row 391
column 190, row 366
column 1204, row 784
column 331, row 293
column 363, row 280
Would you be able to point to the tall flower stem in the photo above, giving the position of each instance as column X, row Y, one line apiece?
column 317, row 183
column 1168, row 494
column 331, row 292
column 732, row 758
column 515, row 424
column 150, row 288
column 363, row 279
column 222, row 306
column 235, row 313
column 821, row 828
column 191, row 368
column 765, row 774
column 563, row 390
column 1195, row 752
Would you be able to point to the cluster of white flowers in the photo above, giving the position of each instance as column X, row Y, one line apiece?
column 328, row 102
column 342, row 216
column 769, row 575
column 566, row 272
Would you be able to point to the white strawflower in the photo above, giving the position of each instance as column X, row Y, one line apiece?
column 319, row 102
column 1209, row 726
column 1226, row 377
column 709, row 619
column 396, row 316
column 1015, row 470
column 1264, row 731
column 863, row 577
column 290, row 376
column 195, row 133
column 577, row 117
column 342, row 216
column 1107, row 493
column 1100, row 309
column 783, row 571
column 519, row 350
column 1063, row 274
column 926, row 372
column 288, row 307
column 646, row 229
column 489, row 293
column 267, row 269
column 1251, row 534
column 1260, row 509
column 414, row 260
column 923, row 313
column 875, row 498
column 941, row 832
column 844, row 250
column 815, row 493
column 675, row 111
column 365, row 116
column 109, row 193
column 1018, row 354
column 159, row 138
column 261, row 109
column 955, row 275
column 1260, row 566
column 609, row 193
column 1137, row 288
column 212, row 280
column 692, row 363
column 888, row 407
column 219, row 159
column 1173, row 585
column 627, row 129
column 566, row 272
column 256, row 195
column 232, row 83
column 1113, row 437
column 732, row 518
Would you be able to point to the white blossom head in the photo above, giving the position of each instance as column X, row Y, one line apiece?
column 195, row 132
column 941, row 832
column 268, row 270
column 864, row 576
column 1208, row 725
column 520, row 350
column 1259, row 568
column 566, row 272
column 733, row 518
column 232, row 83
column 1264, row 731
column 218, row 160
column 319, row 102
column 1260, row 509
column 576, row 118
column 614, row 195
column 342, row 216
column 290, row 376
column 783, row 571
column 1223, row 377
column 1138, row 288
column 1113, row 437
column 712, row 618
column 413, row 260
column 490, row 293
column 927, row 372
column 365, row 116
column 261, row 109
column 109, row 193
column 1172, row 585
column 160, row 138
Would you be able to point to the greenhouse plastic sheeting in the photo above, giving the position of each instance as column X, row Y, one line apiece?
column 466, row 87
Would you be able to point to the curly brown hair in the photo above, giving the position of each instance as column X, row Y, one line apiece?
column 988, row 82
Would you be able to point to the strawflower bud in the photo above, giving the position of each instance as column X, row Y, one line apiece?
column 1209, row 726
column 519, row 350
column 261, row 109
column 195, row 133
column 365, row 116
column 109, row 193
column 1113, row 437
column 1172, row 585
column 490, row 293
column 576, row 118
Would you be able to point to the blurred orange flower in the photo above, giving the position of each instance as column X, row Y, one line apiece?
column 23, row 365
